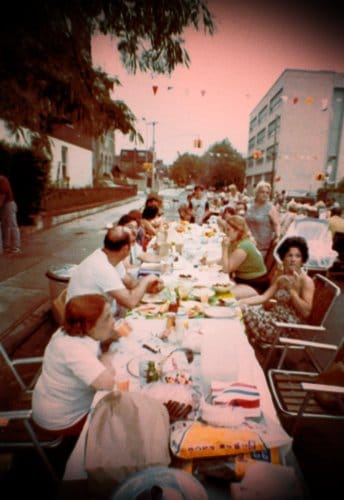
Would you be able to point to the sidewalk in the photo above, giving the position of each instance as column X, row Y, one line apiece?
column 24, row 287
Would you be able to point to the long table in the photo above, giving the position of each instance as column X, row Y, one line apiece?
column 221, row 352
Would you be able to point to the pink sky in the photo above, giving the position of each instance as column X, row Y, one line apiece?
column 254, row 43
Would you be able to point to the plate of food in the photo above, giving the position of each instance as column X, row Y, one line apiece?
column 219, row 312
column 222, row 287
column 193, row 307
column 149, row 309
column 154, row 298
column 200, row 292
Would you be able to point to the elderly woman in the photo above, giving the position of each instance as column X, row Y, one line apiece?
column 74, row 367
column 241, row 258
column 292, row 290
column 263, row 219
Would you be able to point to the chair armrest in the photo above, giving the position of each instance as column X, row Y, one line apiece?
column 27, row 361
column 16, row 414
column 307, row 343
column 301, row 326
column 308, row 386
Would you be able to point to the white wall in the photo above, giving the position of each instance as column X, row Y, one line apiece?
column 79, row 164
column 79, row 161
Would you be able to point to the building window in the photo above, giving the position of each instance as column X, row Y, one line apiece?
column 262, row 114
column 251, row 143
column 261, row 136
column 275, row 101
column 274, row 126
column 271, row 151
column 253, row 123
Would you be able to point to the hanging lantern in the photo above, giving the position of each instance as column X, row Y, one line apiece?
column 257, row 154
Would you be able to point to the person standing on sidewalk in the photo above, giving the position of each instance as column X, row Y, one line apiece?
column 8, row 216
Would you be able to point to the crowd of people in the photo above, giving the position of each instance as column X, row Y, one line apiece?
column 103, row 287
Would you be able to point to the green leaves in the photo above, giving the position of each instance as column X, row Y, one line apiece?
column 46, row 72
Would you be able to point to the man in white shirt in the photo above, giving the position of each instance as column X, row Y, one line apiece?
column 103, row 272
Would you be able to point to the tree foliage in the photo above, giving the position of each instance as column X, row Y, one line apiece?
column 46, row 71
column 220, row 166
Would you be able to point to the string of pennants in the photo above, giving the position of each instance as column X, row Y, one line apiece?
column 155, row 89
column 295, row 100
column 308, row 100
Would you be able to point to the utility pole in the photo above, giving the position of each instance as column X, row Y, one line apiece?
column 153, row 153
column 274, row 154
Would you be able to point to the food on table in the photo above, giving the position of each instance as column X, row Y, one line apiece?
column 222, row 287
column 152, row 373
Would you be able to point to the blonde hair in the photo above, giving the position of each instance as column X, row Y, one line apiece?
column 240, row 225
column 261, row 185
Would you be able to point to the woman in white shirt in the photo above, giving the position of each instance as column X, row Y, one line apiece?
column 74, row 367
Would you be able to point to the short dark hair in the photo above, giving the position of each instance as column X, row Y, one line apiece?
column 297, row 242
column 150, row 212
column 112, row 242
column 336, row 211
column 125, row 219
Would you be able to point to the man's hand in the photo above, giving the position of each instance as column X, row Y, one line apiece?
column 177, row 411
column 155, row 286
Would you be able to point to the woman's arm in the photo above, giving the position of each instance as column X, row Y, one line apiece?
column 303, row 301
column 106, row 380
column 231, row 261
column 275, row 220
column 260, row 299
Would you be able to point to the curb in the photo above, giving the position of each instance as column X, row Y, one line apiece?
column 46, row 221
column 26, row 326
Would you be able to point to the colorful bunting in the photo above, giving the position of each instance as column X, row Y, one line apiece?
column 155, row 89
column 309, row 100
column 284, row 98
column 202, row 92
column 295, row 100
column 324, row 104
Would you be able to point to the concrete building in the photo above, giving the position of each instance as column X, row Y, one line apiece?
column 296, row 132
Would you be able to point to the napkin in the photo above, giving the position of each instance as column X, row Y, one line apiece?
column 236, row 394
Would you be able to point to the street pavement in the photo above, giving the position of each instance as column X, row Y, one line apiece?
column 25, row 303
column 24, row 286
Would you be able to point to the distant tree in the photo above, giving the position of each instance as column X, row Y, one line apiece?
column 224, row 166
column 46, row 71
column 187, row 169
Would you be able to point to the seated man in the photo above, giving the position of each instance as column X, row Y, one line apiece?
column 103, row 272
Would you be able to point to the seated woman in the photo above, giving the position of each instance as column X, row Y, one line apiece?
column 151, row 224
column 292, row 290
column 74, row 367
column 185, row 213
column 241, row 258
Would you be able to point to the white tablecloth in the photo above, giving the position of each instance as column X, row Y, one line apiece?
column 225, row 355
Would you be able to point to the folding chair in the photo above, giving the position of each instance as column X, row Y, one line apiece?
column 295, row 392
column 325, row 295
column 17, row 430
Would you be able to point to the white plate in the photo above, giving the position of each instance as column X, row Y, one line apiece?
column 202, row 291
column 219, row 312
column 149, row 309
column 154, row 298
